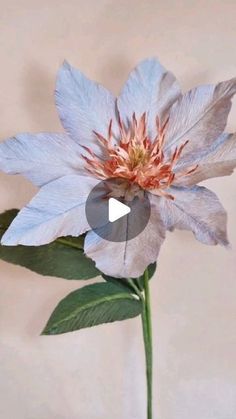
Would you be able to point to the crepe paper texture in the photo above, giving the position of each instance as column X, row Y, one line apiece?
column 156, row 140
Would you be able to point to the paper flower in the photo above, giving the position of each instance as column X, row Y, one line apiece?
column 152, row 136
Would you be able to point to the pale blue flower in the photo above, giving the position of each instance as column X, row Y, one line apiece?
column 162, row 140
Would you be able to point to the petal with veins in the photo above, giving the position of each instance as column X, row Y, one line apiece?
column 217, row 160
column 197, row 209
column 84, row 107
column 150, row 89
column 129, row 258
column 42, row 157
column 199, row 117
column 57, row 210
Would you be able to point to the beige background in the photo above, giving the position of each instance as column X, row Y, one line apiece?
column 99, row 373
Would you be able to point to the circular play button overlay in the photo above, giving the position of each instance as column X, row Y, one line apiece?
column 117, row 212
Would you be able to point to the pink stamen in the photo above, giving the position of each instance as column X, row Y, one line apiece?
column 136, row 158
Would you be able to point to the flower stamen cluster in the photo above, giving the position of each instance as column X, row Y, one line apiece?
column 136, row 158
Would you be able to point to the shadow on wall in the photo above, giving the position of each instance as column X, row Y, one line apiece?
column 39, row 85
column 38, row 99
column 189, row 81
column 114, row 73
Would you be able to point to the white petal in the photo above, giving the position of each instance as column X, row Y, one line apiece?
column 199, row 116
column 129, row 258
column 41, row 158
column 199, row 210
column 57, row 210
column 217, row 160
column 150, row 88
column 84, row 106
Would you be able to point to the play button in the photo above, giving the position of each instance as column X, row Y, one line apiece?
column 117, row 212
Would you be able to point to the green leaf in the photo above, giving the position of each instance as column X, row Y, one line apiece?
column 92, row 305
column 63, row 258
column 120, row 282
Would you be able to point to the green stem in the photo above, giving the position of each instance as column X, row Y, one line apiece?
column 147, row 336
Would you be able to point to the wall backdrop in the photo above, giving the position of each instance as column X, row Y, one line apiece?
column 99, row 373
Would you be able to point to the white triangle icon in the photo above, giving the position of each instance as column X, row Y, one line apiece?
column 116, row 210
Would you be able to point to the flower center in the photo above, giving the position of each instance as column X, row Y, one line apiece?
column 136, row 158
